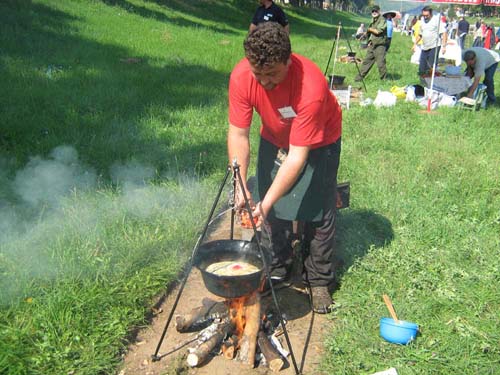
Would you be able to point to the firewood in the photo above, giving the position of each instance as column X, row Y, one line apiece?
column 229, row 347
column 201, row 316
column 248, row 342
column 273, row 357
column 199, row 354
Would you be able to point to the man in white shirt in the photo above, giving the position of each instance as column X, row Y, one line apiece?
column 433, row 36
column 482, row 62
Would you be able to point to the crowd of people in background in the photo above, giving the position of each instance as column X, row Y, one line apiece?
column 457, row 28
column 431, row 33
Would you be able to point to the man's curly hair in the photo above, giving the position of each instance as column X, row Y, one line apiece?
column 267, row 45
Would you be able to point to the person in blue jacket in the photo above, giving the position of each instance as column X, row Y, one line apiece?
column 390, row 26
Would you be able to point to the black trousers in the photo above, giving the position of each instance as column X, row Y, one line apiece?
column 319, row 237
column 427, row 60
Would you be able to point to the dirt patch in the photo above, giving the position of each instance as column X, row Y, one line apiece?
column 294, row 304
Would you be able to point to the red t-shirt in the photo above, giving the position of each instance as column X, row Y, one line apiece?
column 318, row 120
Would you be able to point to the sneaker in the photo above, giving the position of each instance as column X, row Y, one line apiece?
column 321, row 300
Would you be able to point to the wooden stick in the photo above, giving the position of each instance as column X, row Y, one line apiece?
column 199, row 354
column 388, row 303
column 273, row 357
column 248, row 342
column 229, row 347
column 200, row 315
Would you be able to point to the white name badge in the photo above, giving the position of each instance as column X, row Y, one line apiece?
column 287, row 112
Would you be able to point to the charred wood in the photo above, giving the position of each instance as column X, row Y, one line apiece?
column 200, row 317
column 273, row 357
column 229, row 347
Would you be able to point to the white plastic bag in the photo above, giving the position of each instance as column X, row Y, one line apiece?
column 415, row 57
column 438, row 99
column 446, row 100
column 424, row 102
column 384, row 99
column 410, row 94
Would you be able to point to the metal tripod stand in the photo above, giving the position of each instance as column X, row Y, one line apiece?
column 237, row 181
column 335, row 47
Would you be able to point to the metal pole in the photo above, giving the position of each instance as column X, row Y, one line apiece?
column 233, row 208
column 329, row 57
column 155, row 357
column 434, row 64
column 355, row 62
column 236, row 169
column 335, row 56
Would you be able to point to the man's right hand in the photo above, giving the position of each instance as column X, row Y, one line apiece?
column 239, row 201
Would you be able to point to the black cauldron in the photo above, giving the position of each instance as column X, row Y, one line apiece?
column 230, row 250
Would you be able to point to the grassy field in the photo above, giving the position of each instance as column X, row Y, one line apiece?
column 112, row 140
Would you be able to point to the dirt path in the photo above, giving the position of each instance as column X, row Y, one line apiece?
column 293, row 303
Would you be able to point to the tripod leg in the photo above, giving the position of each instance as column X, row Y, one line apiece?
column 355, row 62
column 329, row 58
column 267, row 272
column 155, row 356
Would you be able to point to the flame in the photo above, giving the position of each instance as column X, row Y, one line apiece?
column 237, row 314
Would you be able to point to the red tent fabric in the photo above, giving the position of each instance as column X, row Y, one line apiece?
column 492, row 3
column 463, row 2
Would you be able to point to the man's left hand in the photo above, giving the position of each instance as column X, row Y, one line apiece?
column 260, row 212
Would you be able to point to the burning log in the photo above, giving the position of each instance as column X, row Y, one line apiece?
column 199, row 354
column 273, row 357
column 248, row 342
column 229, row 347
column 201, row 316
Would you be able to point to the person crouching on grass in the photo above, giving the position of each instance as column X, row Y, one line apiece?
column 298, row 155
column 482, row 62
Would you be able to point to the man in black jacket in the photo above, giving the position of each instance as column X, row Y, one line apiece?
column 463, row 30
column 269, row 12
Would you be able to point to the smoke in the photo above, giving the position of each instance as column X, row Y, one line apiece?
column 45, row 182
column 55, row 217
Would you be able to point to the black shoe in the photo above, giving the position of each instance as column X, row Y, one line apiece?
column 280, row 278
column 278, row 283
column 322, row 302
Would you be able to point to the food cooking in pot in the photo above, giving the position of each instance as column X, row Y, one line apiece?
column 231, row 268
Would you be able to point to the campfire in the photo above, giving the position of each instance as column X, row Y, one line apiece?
column 235, row 328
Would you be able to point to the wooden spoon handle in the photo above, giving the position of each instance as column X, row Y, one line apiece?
column 388, row 303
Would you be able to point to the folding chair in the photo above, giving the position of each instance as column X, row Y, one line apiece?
column 473, row 104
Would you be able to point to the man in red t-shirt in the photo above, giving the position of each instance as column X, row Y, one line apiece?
column 298, row 154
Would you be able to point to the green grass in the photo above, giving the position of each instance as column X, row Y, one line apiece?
column 79, row 272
